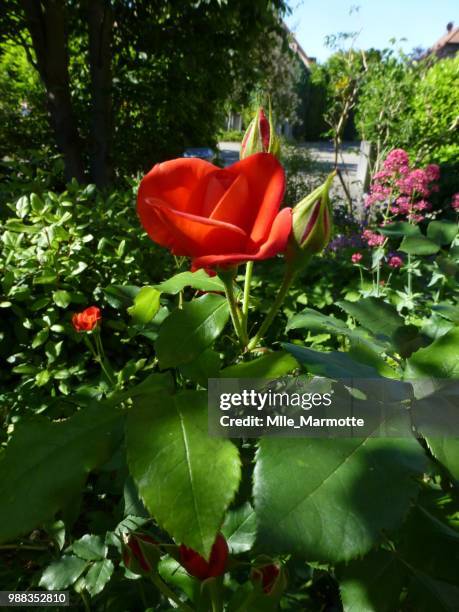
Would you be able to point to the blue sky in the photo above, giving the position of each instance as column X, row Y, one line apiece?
column 421, row 22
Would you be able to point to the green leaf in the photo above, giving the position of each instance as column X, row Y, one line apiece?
column 22, row 207
column 198, row 280
column 40, row 338
column 438, row 360
column 62, row 573
column 426, row 594
column 188, row 331
column 361, row 583
column 446, row 450
column 270, row 365
column 328, row 499
column 62, row 298
column 90, row 547
column 418, row 245
column 240, row 528
column 442, row 232
column 146, row 305
column 174, row 574
column 185, row 478
column 379, row 317
column 119, row 296
column 205, row 366
column 98, row 576
column 333, row 364
column 448, row 311
column 47, row 462
column 399, row 228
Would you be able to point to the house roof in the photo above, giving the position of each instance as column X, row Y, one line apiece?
column 298, row 49
column 450, row 38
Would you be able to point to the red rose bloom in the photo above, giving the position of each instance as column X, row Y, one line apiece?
column 217, row 217
column 200, row 568
column 86, row 320
column 268, row 575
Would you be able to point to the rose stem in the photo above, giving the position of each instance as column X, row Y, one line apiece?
column 229, row 292
column 287, row 281
column 169, row 593
column 245, row 302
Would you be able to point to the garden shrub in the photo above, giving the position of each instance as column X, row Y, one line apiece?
column 59, row 252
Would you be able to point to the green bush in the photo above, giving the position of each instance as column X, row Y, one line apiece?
column 58, row 254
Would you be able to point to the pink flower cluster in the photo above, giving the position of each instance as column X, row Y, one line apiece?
column 372, row 238
column 395, row 262
column 356, row 257
column 404, row 190
column 455, row 202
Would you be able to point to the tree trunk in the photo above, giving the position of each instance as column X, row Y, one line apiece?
column 46, row 23
column 100, row 22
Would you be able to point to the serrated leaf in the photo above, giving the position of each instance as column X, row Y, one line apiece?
column 188, row 331
column 47, row 462
column 98, row 576
column 185, row 478
column 438, row 360
column 379, row 317
column 90, row 547
column 240, row 528
column 205, row 366
column 360, row 583
column 327, row 499
column 62, row 573
column 198, row 280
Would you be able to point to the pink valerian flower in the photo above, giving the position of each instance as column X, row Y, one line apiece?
column 433, row 172
column 397, row 161
column 395, row 262
column 356, row 257
column 416, row 183
column 455, row 202
column 372, row 239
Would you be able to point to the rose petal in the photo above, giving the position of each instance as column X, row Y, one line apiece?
column 188, row 234
column 266, row 185
column 172, row 182
column 275, row 243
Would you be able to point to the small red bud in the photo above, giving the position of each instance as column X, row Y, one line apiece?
column 198, row 567
column 86, row 320
column 140, row 553
column 267, row 575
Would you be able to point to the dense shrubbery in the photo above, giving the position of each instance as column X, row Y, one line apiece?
column 411, row 104
column 60, row 251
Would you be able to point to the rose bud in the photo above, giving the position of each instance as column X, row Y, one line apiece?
column 267, row 575
column 198, row 567
column 260, row 136
column 140, row 553
column 86, row 320
column 311, row 225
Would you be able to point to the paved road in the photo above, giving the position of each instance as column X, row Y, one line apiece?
column 323, row 155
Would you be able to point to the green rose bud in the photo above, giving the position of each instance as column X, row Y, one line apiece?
column 311, row 225
column 260, row 136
